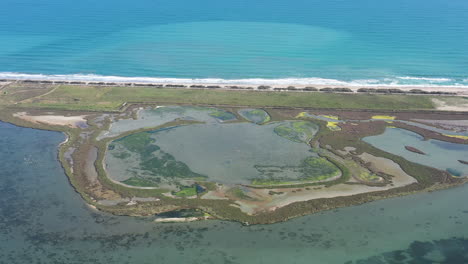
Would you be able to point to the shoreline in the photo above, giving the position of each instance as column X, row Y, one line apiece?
column 268, row 85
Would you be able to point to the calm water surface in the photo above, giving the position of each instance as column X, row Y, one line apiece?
column 438, row 154
column 230, row 153
column 42, row 220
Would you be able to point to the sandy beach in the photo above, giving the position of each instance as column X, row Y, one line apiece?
column 70, row 121
column 247, row 84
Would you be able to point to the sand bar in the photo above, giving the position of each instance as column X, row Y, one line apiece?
column 71, row 121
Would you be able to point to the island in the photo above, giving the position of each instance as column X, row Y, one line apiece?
column 415, row 150
column 186, row 153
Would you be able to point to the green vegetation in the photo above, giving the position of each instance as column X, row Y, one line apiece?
column 368, row 177
column 210, row 186
column 186, row 191
column 111, row 98
column 139, row 143
column 319, row 169
column 166, row 166
column 140, row 182
column 360, row 172
column 159, row 165
column 312, row 169
column 257, row 116
column 222, row 115
column 452, row 101
column 297, row 131
column 273, row 183
column 239, row 193
column 121, row 155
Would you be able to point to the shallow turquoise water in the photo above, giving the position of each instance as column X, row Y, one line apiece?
column 43, row 220
column 439, row 154
column 327, row 42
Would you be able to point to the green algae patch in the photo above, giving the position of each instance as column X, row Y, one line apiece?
column 138, row 143
column 297, row 131
column 121, row 155
column 139, row 182
column 148, row 165
column 368, row 177
column 317, row 168
column 186, row 191
column 312, row 169
column 222, row 115
column 257, row 116
column 166, row 166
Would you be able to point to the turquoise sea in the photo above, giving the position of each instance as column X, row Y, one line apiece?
column 360, row 42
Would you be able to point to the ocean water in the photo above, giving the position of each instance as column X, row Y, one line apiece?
column 361, row 42
column 43, row 220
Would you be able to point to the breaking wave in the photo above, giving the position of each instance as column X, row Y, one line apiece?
column 387, row 82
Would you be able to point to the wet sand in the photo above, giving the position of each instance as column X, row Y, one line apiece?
column 70, row 121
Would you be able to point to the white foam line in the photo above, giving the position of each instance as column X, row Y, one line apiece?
column 425, row 79
column 385, row 82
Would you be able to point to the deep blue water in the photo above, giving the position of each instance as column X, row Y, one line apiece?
column 42, row 220
column 313, row 41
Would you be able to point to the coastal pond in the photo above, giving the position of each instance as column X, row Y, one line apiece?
column 153, row 117
column 231, row 153
column 257, row 116
column 438, row 154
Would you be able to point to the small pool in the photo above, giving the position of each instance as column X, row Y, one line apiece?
column 438, row 154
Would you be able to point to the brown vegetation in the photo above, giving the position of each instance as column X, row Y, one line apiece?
column 415, row 150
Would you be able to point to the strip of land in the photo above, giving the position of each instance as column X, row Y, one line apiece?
column 267, row 86
column 114, row 98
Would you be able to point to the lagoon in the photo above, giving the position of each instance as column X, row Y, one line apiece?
column 43, row 219
column 235, row 153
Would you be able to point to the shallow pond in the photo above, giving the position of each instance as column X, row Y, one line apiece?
column 438, row 154
column 161, row 115
column 235, row 153
column 257, row 116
